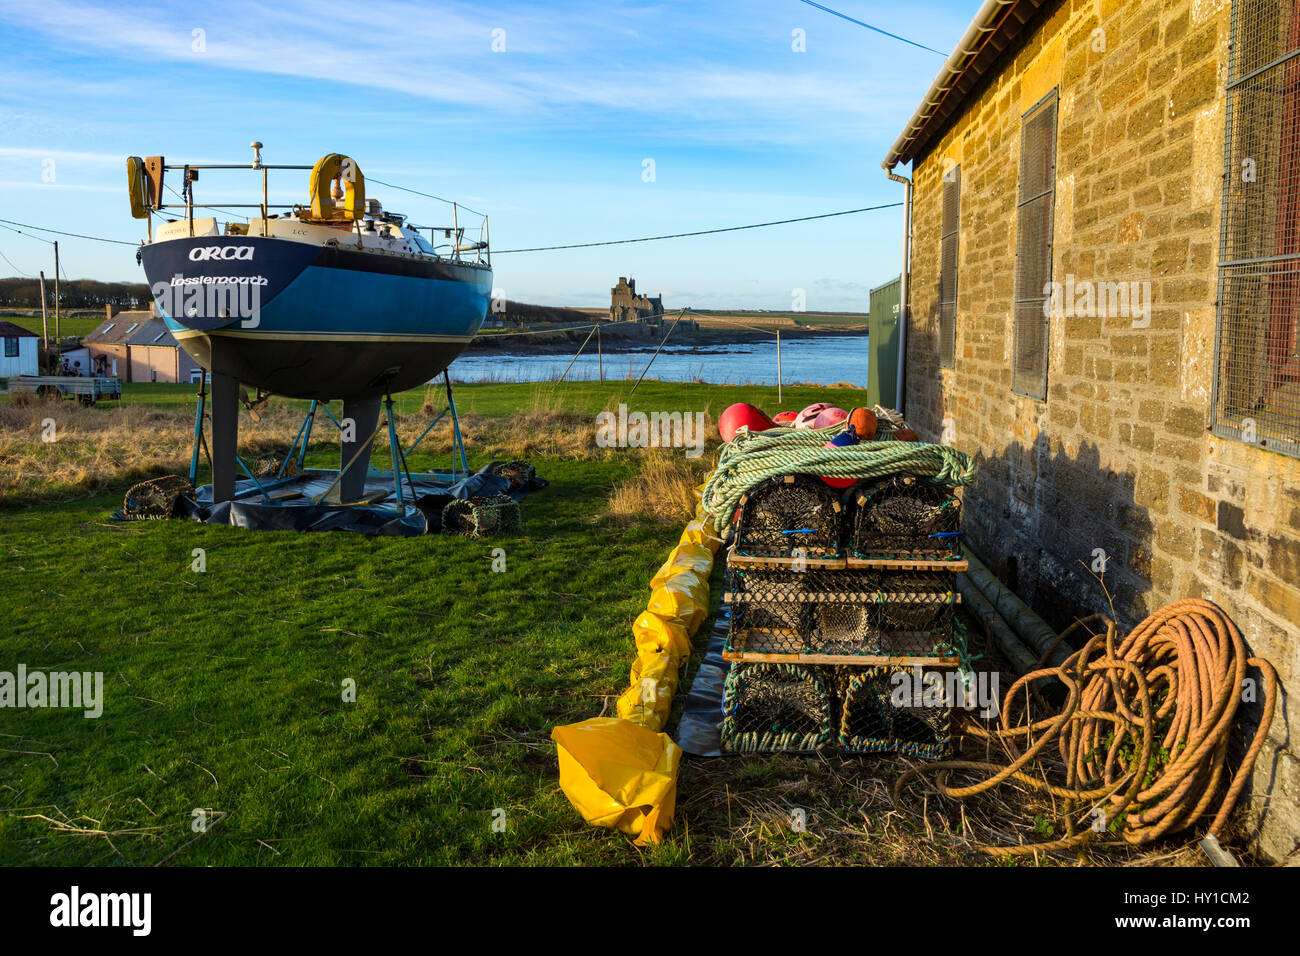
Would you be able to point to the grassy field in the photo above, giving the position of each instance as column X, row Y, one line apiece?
column 223, row 689
column 711, row 318
column 69, row 326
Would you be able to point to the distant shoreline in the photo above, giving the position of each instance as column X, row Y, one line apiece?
column 567, row 341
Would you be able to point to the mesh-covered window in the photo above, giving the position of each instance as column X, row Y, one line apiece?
column 948, row 266
column 1034, row 247
column 1257, row 357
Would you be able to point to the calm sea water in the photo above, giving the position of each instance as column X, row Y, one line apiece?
column 823, row 361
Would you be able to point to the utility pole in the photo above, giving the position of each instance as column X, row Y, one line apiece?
column 58, row 332
column 45, row 325
column 778, row 367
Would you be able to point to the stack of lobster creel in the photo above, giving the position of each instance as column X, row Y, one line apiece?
column 840, row 588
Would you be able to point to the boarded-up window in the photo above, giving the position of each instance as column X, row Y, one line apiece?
column 1034, row 248
column 1257, row 356
column 948, row 266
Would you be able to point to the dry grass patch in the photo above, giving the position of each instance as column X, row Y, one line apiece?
column 97, row 448
column 663, row 490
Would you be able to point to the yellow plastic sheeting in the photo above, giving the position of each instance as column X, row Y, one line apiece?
column 621, row 772
column 649, row 698
column 701, row 531
column 653, row 634
column 619, row 775
column 687, row 556
column 683, row 598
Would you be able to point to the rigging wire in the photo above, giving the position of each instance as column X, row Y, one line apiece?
column 449, row 202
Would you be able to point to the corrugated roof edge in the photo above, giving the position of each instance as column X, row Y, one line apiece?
column 994, row 21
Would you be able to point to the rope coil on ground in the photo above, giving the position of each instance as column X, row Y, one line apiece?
column 1143, row 736
column 751, row 457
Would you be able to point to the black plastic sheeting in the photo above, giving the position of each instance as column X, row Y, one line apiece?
column 699, row 731
column 422, row 512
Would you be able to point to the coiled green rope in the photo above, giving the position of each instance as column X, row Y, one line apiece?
column 752, row 457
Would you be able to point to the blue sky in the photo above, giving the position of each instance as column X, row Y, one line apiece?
column 549, row 136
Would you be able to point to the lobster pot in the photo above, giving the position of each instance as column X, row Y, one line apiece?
column 886, row 709
column 156, row 498
column 789, row 514
column 905, row 517
column 840, row 612
column 917, row 613
column 271, row 466
column 520, row 474
column 769, row 607
column 777, row 707
column 480, row 517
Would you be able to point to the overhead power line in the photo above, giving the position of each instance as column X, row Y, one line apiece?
column 702, row 232
column 892, row 36
column 28, row 235
column 25, row 275
column 58, row 232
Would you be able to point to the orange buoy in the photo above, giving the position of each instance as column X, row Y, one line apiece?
column 864, row 422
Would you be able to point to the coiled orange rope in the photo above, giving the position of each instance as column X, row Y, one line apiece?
column 1143, row 736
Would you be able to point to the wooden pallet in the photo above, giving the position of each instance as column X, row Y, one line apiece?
column 748, row 646
column 849, row 563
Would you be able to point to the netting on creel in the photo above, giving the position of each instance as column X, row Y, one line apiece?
column 853, row 612
column 886, row 710
column 906, row 517
column 777, row 707
column 789, row 514
column 520, row 474
column 268, row 466
column 767, row 606
column 480, row 517
column 156, row 498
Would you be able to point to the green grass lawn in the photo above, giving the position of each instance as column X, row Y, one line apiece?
column 582, row 397
column 223, row 689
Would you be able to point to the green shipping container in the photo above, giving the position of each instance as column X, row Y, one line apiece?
column 882, row 347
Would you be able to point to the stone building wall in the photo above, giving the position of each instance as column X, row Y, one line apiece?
column 1119, row 457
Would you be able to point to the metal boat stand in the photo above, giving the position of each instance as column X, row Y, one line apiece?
column 223, row 458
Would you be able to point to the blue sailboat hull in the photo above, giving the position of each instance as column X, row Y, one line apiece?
column 311, row 321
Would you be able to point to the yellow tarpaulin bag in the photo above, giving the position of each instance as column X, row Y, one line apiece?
column 619, row 775
column 700, row 531
column 684, row 557
column 683, row 598
column 621, row 772
column 649, row 698
column 654, row 633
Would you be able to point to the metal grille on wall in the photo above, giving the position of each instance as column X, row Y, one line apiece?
column 1257, row 355
column 1034, row 204
column 948, row 266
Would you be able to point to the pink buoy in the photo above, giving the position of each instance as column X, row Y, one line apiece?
column 831, row 415
column 809, row 415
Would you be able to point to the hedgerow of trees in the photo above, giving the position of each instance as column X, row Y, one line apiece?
column 73, row 294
